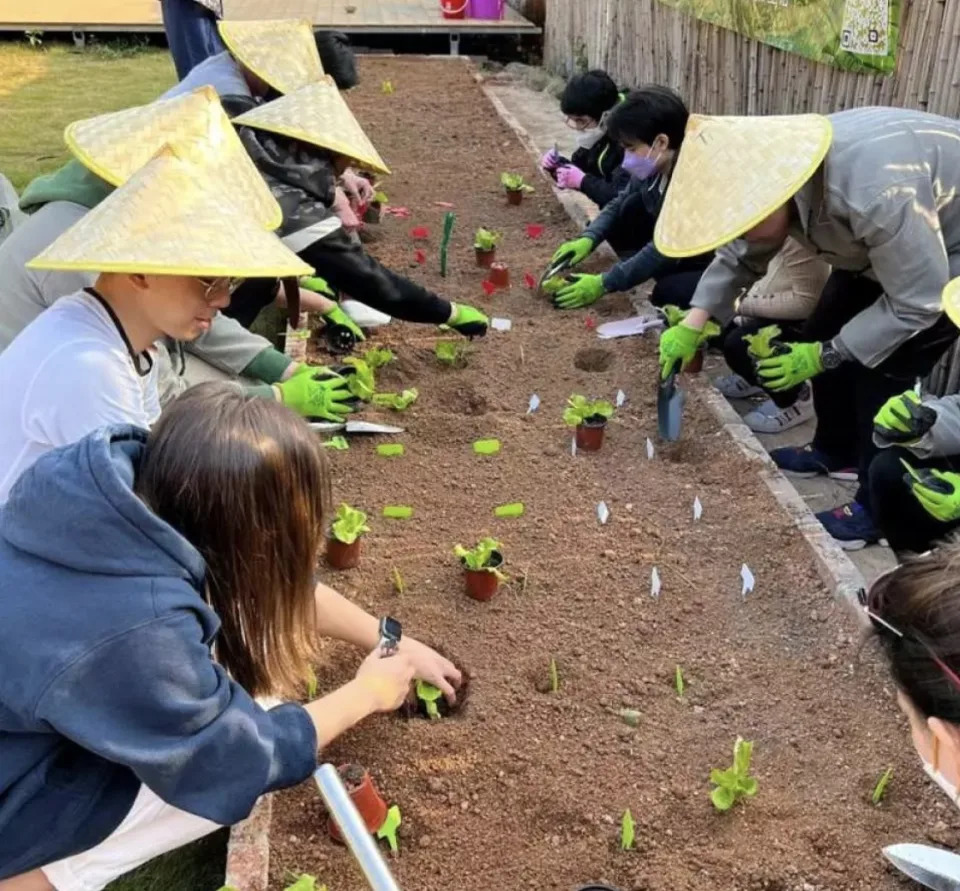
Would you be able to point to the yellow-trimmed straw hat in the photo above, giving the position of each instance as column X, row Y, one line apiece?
column 283, row 52
column 170, row 219
column 732, row 173
column 951, row 301
column 116, row 145
column 317, row 114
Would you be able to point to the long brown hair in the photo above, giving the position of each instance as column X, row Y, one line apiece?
column 245, row 481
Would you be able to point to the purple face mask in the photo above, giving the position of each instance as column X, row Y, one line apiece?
column 640, row 168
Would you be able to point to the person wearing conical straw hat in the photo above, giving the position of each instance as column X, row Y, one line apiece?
column 299, row 143
column 168, row 248
column 872, row 192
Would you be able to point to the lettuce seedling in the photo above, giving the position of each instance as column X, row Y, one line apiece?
column 881, row 788
column 480, row 557
column 397, row 401
column 338, row 443
column 349, row 524
column 362, row 382
column 486, row 239
column 735, row 782
column 763, row 344
column 305, row 883
column 449, row 352
column 580, row 409
column 514, row 182
column 377, row 357
column 627, row 831
column 429, row 696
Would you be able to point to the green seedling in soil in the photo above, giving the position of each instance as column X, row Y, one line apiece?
column 514, row 509
column 486, row 239
column 881, row 788
column 554, row 677
column 391, row 450
column 386, row 87
column 363, row 381
column 678, row 683
column 735, row 782
column 479, row 557
column 627, row 831
column 389, row 829
column 450, row 352
column 377, row 357
column 630, row 716
column 397, row 512
column 486, row 446
column 554, row 284
column 580, row 409
column 398, row 584
column 429, row 696
column 397, row 401
column 762, row 345
column 349, row 524
column 449, row 220
column 379, row 196
column 338, row 443
column 514, row 182
column 312, row 684
column 305, row 883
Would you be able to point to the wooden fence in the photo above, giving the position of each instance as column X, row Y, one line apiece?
column 721, row 72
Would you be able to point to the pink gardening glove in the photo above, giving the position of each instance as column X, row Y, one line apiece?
column 570, row 177
column 550, row 160
column 341, row 207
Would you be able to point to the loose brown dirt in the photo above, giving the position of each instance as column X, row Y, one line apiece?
column 525, row 789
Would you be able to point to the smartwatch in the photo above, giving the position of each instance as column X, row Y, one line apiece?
column 830, row 356
column 390, row 634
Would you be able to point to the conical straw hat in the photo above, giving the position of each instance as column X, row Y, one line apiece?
column 282, row 52
column 319, row 115
column 732, row 173
column 116, row 145
column 168, row 219
column 951, row 301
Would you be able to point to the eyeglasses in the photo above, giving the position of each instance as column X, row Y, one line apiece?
column 577, row 122
column 216, row 285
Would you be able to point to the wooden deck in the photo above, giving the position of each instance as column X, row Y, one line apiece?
column 353, row 16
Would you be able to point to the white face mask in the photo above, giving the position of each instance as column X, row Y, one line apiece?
column 587, row 139
column 943, row 783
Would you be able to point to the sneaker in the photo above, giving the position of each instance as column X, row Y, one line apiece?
column 806, row 461
column 851, row 525
column 770, row 418
column 735, row 387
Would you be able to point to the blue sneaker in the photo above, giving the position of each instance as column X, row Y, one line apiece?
column 851, row 525
column 806, row 461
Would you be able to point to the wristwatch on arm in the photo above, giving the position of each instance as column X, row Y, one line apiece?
column 830, row 356
column 390, row 634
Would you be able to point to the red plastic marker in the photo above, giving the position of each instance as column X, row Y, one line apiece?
column 529, row 281
column 488, row 287
column 420, row 256
column 402, row 213
column 534, row 230
column 420, row 233
column 590, row 322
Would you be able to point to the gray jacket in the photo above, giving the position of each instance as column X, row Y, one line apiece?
column 884, row 204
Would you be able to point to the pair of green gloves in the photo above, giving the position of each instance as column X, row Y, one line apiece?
column 582, row 290
column 905, row 420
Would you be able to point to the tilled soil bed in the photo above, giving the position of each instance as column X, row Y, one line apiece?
column 525, row 789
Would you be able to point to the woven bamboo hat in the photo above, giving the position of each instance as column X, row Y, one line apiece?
column 283, row 52
column 951, row 301
column 114, row 146
column 732, row 173
column 169, row 218
column 317, row 114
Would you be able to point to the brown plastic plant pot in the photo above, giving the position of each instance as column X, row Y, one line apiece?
column 482, row 584
column 341, row 555
column 514, row 197
column 365, row 797
column 695, row 365
column 589, row 434
column 500, row 275
column 485, row 258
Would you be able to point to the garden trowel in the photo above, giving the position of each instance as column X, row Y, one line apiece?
column 670, row 401
column 932, row 867
column 552, row 270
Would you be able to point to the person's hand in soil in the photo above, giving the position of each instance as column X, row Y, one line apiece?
column 798, row 363
column 677, row 344
column 343, row 209
column 903, row 419
column 430, row 666
column 357, row 188
column 573, row 252
column 316, row 393
column 570, row 177
column 387, row 680
column 467, row 320
column 583, row 290
column 336, row 316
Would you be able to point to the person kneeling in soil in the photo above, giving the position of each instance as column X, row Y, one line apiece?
column 649, row 124
column 594, row 167
column 785, row 297
column 128, row 726
column 863, row 189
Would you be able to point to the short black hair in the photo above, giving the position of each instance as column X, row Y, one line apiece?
column 337, row 57
column 647, row 112
column 589, row 95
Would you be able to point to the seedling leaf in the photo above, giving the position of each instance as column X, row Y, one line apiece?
column 362, row 382
column 630, row 716
column 735, row 782
column 580, row 409
column 449, row 352
column 486, row 446
column 627, row 831
column 881, row 788
column 377, row 357
column 397, row 512
column 311, row 684
column 554, row 677
column 486, row 239
column 514, row 509
column 389, row 829
column 349, row 524
column 305, row 883
column 762, row 345
column 679, row 683
column 398, row 584
column 429, row 696
column 514, row 182
column 479, row 557
column 386, row 87
column 397, row 401
column 339, row 443
column 391, row 449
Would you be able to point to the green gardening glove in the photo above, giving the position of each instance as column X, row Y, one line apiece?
column 336, row 316
column 317, row 285
column 316, row 393
column 678, row 344
column 903, row 419
column 797, row 363
column 937, row 491
column 583, row 290
column 573, row 252
column 467, row 321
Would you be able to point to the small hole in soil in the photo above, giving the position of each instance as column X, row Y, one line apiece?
column 593, row 359
column 414, row 708
column 465, row 401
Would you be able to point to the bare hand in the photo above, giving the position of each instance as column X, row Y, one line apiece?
column 430, row 666
column 357, row 187
column 387, row 679
column 343, row 209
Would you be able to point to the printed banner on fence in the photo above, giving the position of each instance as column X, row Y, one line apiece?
column 858, row 35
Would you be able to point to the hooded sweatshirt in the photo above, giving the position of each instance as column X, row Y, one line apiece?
column 106, row 674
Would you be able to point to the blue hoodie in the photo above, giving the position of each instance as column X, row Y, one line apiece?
column 106, row 675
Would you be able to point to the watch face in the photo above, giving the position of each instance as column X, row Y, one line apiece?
column 390, row 628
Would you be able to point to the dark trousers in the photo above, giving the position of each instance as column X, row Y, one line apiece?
column 192, row 34
column 897, row 513
column 737, row 356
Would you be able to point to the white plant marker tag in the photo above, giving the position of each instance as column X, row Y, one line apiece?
column 697, row 509
column 603, row 513
column 649, row 449
column 655, row 584
column 534, row 404
column 748, row 580
column 573, row 446
column 621, row 398
column 501, row 324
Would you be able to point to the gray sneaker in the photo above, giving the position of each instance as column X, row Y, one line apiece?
column 769, row 418
column 735, row 387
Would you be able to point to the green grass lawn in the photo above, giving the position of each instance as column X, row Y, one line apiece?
column 41, row 91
